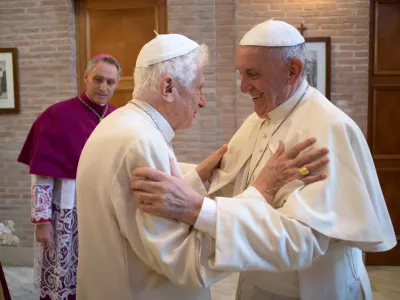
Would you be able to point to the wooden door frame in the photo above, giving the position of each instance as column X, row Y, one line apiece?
column 370, row 70
column 373, row 84
column 82, row 35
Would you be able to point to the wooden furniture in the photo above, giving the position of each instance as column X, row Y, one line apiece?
column 119, row 28
column 384, row 112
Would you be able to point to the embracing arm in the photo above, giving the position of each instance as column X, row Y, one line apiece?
column 284, row 249
column 169, row 247
column 251, row 235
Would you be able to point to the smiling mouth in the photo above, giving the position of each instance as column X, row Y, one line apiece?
column 257, row 96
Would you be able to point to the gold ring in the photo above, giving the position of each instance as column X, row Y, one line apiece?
column 304, row 171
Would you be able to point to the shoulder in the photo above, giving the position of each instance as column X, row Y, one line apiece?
column 57, row 107
column 128, row 140
column 321, row 119
column 125, row 128
column 247, row 126
column 250, row 120
column 319, row 113
column 54, row 112
column 112, row 107
column 62, row 109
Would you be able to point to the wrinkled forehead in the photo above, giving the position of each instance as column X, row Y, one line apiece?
column 199, row 78
column 249, row 57
column 104, row 69
column 257, row 58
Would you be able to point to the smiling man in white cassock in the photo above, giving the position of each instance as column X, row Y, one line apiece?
column 126, row 254
column 307, row 241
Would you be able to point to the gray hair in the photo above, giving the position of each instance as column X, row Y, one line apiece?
column 289, row 52
column 182, row 68
column 108, row 59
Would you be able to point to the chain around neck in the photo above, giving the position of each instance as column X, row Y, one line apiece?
column 250, row 175
column 95, row 112
column 155, row 123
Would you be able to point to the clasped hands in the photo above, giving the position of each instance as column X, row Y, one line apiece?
column 166, row 195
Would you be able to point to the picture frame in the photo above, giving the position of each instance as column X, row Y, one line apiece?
column 9, row 86
column 319, row 64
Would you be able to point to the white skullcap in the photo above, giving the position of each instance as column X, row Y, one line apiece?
column 164, row 47
column 272, row 33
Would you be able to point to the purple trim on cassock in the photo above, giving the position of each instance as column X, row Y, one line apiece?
column 56, row 139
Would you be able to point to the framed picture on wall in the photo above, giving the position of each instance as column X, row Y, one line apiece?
column 9, row 88
column 319, row 64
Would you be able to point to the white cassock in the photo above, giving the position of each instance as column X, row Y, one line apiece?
column 310, row 241
column 124, row 253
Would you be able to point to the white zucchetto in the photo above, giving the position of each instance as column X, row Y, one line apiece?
column 164, row 47
column 272, row 33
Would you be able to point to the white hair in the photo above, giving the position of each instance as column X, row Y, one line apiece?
column 108, row 59
column 182, row 68
column 289, row 52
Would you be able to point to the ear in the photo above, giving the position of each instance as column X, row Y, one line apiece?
column 167, row 89
column 295, row 70
column 85, row 77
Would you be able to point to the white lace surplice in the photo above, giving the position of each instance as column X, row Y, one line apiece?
column 54, row 200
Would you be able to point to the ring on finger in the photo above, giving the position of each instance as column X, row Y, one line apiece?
column 304, row 171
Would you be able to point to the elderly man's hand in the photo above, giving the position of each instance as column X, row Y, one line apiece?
column 206, row 168
column 169, row 196
column 284, row 167
column 165, row 195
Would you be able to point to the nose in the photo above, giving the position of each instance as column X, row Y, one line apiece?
column 245, row 87
column 103, row 86
column 202, row 101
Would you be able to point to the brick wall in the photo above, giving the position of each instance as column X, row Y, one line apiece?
column 46, row 45
column 211, row 22
column 44, row 32
column 196, row 20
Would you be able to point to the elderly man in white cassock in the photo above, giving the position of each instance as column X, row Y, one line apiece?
column 307, row 241
column 123, row 252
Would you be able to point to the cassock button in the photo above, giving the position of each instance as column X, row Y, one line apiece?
column 264, row 136
column 261, row 150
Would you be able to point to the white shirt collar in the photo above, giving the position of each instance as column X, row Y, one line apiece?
column 282, row 110
column 162, row 123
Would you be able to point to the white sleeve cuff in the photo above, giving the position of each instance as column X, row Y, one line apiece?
column 285, row 191
column 280, row 197
column 193, row 179
column 42, row 180
column 251, row 192
column 207, row 220
column 186, row 168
